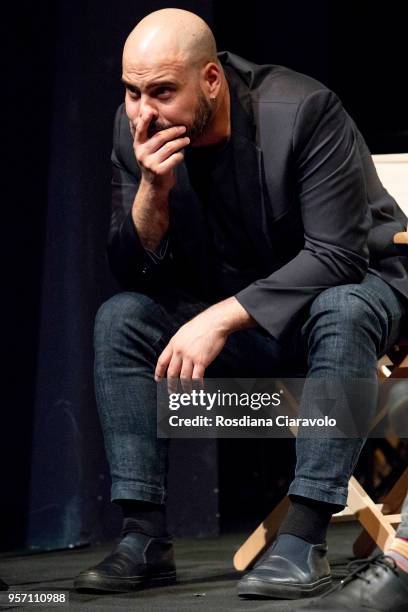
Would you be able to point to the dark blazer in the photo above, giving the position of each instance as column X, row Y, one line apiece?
column 316, row 212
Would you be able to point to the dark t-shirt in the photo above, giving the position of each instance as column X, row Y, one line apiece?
column 231, row 260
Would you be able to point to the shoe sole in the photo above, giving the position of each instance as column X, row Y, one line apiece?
column 96, row 583
column 258, row 589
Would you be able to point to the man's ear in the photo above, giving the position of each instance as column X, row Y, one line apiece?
column 212, row 79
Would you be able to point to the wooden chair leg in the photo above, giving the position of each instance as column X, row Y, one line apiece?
column 372, row 519
column 261, row 537
column 364, row 544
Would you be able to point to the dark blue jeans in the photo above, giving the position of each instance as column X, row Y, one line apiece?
column 345, row 332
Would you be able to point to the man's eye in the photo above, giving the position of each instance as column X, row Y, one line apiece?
column 133, row 94
column 163, row 92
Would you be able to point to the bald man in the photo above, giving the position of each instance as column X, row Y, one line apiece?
column 251, row 237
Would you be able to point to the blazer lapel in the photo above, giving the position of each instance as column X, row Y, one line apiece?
column 248, row 162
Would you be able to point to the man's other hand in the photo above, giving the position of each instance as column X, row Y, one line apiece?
column 198, row 342
column 192, row 348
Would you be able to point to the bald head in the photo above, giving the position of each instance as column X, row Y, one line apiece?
column 171, row 34
column 173, row 77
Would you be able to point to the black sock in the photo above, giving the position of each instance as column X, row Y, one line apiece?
column 308, row 519
column 143, row 517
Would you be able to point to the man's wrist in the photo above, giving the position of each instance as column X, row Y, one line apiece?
column 154, row 191
column 230, row 316
column 160, row 187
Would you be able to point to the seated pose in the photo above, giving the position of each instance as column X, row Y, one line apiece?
column 251, row 236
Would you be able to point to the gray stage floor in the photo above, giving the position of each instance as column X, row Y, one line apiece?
column 206, row 578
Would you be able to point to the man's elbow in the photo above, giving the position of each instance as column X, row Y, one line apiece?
column 343, row 265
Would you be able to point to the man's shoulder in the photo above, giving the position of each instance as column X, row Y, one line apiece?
column 269, row 83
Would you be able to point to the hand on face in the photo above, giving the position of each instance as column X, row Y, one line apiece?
column 158, row 151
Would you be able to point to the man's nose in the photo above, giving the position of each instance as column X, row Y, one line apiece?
column 147, row 105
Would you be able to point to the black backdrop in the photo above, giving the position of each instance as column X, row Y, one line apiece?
column 61, row 77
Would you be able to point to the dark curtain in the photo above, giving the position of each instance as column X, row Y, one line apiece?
column 62, row 80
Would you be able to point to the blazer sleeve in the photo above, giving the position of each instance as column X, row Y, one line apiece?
column 133, row 266
column 331, row 193
column 387, row 216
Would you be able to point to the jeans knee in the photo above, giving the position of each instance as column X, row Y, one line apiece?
column 115, row 314
column 345, row 319
column 345, row 304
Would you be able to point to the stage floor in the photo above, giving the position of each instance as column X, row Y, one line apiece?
column 206, row 578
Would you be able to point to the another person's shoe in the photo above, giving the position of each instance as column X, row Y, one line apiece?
column 3, row 585
column 375, row 585
column 138, row 561
column 290, row 569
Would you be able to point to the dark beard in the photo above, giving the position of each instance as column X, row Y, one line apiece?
column 201, row 121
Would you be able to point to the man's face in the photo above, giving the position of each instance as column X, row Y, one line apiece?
column 172, row 91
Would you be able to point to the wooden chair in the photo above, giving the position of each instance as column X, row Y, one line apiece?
column 377, row 519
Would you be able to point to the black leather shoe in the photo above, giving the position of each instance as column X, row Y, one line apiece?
column 138, row 561
column 375, row 585
column 290, row 569
column 3, row 585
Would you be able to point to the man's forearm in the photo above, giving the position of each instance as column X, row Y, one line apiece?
column 150, row 213
column 229, row 316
